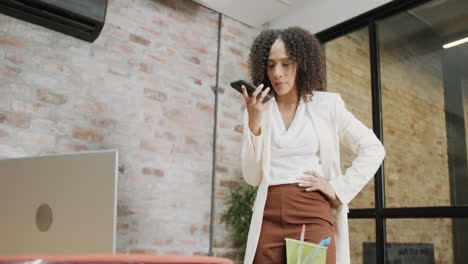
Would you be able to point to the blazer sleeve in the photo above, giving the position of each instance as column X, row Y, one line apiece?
column 251, row 155
column 362, row 141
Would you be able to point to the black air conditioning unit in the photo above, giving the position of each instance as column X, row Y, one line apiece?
column 82, row 19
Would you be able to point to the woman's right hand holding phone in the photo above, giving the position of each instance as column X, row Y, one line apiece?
column 255, row 107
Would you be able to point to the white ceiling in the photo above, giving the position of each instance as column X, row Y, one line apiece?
column 252, row 12
column 315, row 15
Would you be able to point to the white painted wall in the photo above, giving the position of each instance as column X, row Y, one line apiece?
column 317, row 15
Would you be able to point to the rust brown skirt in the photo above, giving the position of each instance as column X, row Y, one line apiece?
column 287, row 208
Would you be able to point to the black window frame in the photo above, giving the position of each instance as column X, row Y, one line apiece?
column 380, row 213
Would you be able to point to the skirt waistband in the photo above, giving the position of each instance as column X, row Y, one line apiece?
column 295, row 188
column 290, row 187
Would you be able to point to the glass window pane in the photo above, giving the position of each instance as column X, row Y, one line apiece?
column 465, row 105
column 361, row 232
column 442, row 240
column 348, row 73
column 423, row 105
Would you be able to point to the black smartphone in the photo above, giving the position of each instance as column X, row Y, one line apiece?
column 250, row 89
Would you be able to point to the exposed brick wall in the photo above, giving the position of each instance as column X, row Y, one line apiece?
column 143, row 87
column 360, row 231
column 236, row 42
column 347, row 64
column 437, row 231
column 416, row 171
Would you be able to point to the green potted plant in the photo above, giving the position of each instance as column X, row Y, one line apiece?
column 240, row 200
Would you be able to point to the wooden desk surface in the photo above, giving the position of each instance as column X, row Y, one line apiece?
column 116, row 258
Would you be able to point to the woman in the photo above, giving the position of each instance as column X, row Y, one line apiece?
column 291, row 149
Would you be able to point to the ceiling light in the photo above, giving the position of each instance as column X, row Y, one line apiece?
column 455, row 43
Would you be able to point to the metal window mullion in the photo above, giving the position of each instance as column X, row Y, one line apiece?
column 377, row 126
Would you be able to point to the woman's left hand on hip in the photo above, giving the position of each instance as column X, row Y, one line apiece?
column 317, row 183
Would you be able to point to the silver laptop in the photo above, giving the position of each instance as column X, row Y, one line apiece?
column 59, row 204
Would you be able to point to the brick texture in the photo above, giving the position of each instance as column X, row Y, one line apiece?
column 143, row 87
column 416, row 166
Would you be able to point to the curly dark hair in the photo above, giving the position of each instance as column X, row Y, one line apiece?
column 305, row 51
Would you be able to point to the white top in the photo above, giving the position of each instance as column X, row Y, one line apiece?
column 295, row 150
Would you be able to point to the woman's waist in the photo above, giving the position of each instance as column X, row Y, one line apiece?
column 294, row 188
column 297, row 202
column 289, row 187
column 286, row 175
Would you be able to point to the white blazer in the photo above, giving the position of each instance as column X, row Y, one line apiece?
column 334, row 125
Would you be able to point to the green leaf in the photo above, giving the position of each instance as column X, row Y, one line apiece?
column 240, row 201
